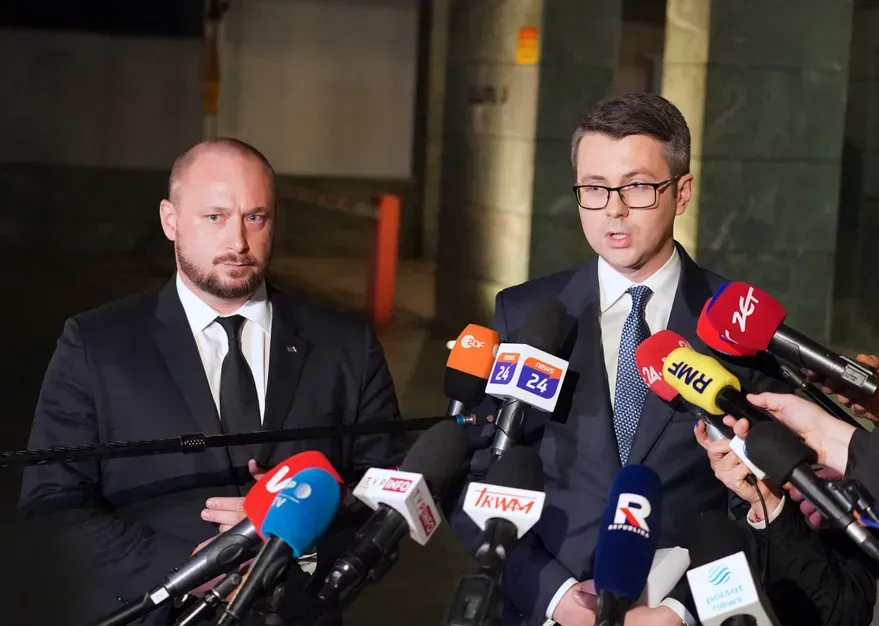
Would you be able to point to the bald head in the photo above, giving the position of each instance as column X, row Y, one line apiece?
column 227, row 146
column 220, row 215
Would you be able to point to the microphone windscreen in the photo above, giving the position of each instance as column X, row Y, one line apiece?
column 714, row 536
column 544, row 326
column 519, row 467
column 303, row 509
column 437, row 454
column 776, row 450
column 469, row 364
column 709, row 335
column 649, row 357
column 698, row 378
column 262, row 494
column 745, row 314
column 629, row 532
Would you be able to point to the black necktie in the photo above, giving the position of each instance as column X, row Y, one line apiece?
column 239, row 405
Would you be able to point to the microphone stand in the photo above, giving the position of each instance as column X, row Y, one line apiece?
column 199, row 442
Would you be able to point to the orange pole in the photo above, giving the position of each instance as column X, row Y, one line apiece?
column 383, row 271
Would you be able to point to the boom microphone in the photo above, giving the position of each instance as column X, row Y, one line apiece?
column 468, row 368
column 528, row 373
column 752, row 318
column 627, row 540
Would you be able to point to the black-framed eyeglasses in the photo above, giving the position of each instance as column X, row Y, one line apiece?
column 634, row 195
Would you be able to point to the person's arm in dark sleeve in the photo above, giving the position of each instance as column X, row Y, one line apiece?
column 863, row 460
column 533, row 575
column 815, row 574
column 125, row 556
column 378, row 403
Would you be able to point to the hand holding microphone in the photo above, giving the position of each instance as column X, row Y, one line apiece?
column 732, row 472
column 827, row 436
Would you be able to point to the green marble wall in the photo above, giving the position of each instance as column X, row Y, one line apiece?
column 764, row 86
column 507, row 211
column 856, row 302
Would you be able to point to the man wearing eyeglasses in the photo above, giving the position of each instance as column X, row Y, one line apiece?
column 631, row 160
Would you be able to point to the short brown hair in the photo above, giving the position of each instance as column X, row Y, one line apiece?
column 236, row 146
column 639, row 114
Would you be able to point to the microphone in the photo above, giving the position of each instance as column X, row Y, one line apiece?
column 771, row 450
column 468, row 368
column 751, row 317
column 505, row 507
column 791, row 374
column 786, row 458
column 300, row 513
column 228, row 550
column 403, row 502
column 528, row 373
column 651, row 357
column 627, row 540
column 721, row 578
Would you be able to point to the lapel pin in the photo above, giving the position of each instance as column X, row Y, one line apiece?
column 292, row 349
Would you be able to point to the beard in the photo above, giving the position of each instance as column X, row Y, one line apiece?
column 246, row 280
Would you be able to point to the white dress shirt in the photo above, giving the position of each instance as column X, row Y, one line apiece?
column 213, row 343
column 615, row 305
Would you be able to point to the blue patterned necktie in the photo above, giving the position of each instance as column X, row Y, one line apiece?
column 630, row 388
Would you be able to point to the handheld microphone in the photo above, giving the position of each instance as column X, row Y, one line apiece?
column 300, row 513
column 650, row 357
column 752, row 318
column 720, row 576
column 774, row 451
column 403, row 502
column 627, row 540
column 229, row 550
column 528, row 373
column 791, row 374
column 704, row 382
column 504, row 507
column 785, row 457
column 468, row 368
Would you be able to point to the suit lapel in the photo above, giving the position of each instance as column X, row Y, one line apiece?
column 286, row 357
column 592, row 396
column 177, row 345
column 691, row 294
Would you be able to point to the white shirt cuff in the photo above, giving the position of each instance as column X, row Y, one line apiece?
column 680, row 609
column 772, row 516
column 558, row 596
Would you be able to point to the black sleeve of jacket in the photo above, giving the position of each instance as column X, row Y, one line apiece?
column 124, row 555
column 863, row 460
column 815, row 577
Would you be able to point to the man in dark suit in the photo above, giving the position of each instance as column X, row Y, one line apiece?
column 217, row 350
column 631, row 156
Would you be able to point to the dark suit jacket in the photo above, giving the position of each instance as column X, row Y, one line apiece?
column 578, row 446
column 815, row 578
column 131, row 371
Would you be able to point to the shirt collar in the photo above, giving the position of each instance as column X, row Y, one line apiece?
column 663, row 282
column 200, row 315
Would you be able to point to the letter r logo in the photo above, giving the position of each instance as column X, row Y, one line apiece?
column 633, row 509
